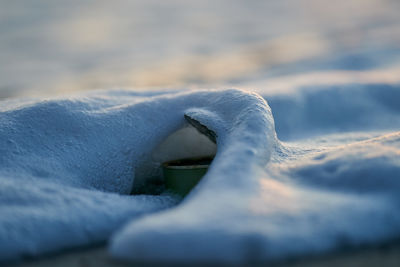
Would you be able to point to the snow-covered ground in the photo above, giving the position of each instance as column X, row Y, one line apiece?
column 68, row 163
column 308, row 145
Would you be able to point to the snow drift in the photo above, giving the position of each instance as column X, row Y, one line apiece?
column 68, row 165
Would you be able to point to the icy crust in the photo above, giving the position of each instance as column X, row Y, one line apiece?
column 320, row 201
column 66, row 165
column 306, row 200
column 39, row 217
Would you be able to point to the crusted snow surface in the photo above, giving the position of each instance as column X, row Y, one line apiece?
column 67, row 167
column 313, row 195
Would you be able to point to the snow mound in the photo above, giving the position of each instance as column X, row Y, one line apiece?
column 68, row 166
column 312, row 196
column 318, row 202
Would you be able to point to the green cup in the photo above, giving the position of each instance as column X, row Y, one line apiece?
column 184, row 174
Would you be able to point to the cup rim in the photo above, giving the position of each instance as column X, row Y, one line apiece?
column 189, row 167
column 188, row 163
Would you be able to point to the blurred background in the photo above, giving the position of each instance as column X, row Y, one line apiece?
column 58, row 47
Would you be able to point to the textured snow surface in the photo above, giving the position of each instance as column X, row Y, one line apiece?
column 67, row 167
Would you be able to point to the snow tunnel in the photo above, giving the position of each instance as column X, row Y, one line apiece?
column 178, row 162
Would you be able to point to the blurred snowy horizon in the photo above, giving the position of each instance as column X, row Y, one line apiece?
column 57, row 47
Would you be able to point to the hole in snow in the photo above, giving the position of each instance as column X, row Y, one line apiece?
column 184, row 143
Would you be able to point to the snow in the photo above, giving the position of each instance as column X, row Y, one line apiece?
column 327, row 178
column 308, row 198
column 307, row 153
